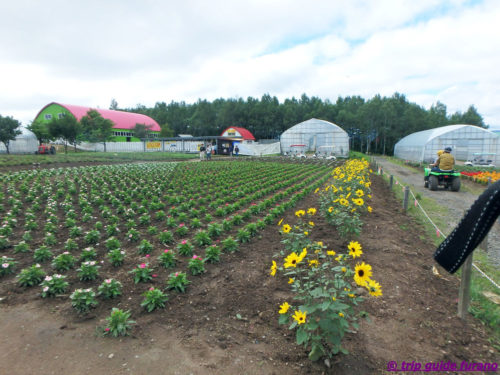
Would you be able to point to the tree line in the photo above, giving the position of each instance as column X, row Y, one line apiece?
column 373, row 125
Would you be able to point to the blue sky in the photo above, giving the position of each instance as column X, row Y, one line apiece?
column 88, row 52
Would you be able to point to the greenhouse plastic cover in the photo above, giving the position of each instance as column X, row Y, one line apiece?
column 465, row 140
column 316, row 135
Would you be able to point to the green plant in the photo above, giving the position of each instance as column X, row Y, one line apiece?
column 185, row 248
column 53, row 285
column 31, row 276
column 133, row 235
column 70, row 245
column 110, row 288
column 7, row 266
column 144, row 247
column 178, row 281
column 92, row 237
column 87, row 254
column 167, row 258
column 229, row 245
column 116, row 257
column 152, row 230
column 212, row 254
column 182, row 230
column 75, row 232
column 63, row 262
column 83, row 300
column 202, row 238
column 154, row 299
column 42, row 254
column 142, row 273
column 196, row 265
column 21, row 247
column 118, row 323
column 166, row 237
column 88, row 270
column 112, row 243
column 243, row 235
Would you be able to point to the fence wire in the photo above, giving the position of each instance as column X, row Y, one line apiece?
column 438, row 231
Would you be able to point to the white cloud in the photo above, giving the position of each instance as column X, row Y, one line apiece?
column 87, row 52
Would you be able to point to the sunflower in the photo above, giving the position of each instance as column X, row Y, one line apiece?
column 284, row 308
column 344, row 202
column 311, row 211
column 286, row 228
column 290, row 280
column 359, row 193
column 303, row 254
column 358, row 201
column 374, row 288
column 341, row 314
column 354, row 249
column 315, row 191
column 330, row 209
column 300, row 213
column 362, row 273
column 344, row 269
column 300, row 316
column 274, row 267
column 313, row 263
column 292, row 260
column 369, row 208
column 331, row 252
column 311, row 223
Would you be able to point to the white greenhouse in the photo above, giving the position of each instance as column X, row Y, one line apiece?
column 24, row 143
column 315, row 135
column 466, row 141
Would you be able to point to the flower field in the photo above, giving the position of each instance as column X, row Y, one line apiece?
column 482, row 177
column 92, row 236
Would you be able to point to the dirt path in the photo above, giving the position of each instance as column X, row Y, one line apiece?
column 456, row 203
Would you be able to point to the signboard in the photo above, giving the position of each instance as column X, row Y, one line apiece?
column 231, row 132
column 153, row 145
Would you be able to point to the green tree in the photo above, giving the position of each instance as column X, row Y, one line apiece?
column 95, row 128
column 41, row 131
column 166, row 131
column 68, row 128
column 141, row 131
column 8, row 130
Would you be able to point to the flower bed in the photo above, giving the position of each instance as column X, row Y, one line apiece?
column 137, row 225
column 482, row 177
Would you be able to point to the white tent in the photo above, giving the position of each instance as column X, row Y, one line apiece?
column 465, row 140
column 316, row 135
column 25, row 143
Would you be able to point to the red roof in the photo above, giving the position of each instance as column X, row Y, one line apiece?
column 244, row 133
column 121, row 119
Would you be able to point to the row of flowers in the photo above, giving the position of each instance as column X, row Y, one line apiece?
column 326, row 283
column 482, row 177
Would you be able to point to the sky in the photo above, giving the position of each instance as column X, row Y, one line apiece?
column 88, row 52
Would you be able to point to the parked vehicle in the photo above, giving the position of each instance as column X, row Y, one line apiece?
column 481, row 159
column 46, row 149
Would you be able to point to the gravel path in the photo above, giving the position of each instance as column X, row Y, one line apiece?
column 457, row 203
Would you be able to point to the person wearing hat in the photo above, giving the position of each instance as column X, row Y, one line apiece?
column 445, row 161
column 439, row 153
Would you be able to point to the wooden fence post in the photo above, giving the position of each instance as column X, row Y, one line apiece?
column 406, row 196
column 464, row 292
column 391, row 181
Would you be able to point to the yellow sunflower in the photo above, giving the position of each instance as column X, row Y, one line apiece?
column 313, row 263
column 360, row 193
column 358, row 201
column 369, row 208
column 300, row 213
column 362, row 273
column 292, row 260
column 330, row 209
column 290, row 280
column 274, row 267
column 374, row 288
column 354, row 249
column 331, row 252
column 300, row 316
column 284, row 308
column 344, row 202
column 286, row 228
column 311, row 211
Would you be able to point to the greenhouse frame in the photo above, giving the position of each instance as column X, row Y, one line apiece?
column 464, row 140
column 320, row 136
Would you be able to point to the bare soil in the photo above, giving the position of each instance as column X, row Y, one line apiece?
column 199, row 332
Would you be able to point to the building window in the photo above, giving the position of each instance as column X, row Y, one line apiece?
column 61, row 115
column 48, row 116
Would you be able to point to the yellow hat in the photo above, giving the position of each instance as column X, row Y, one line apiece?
column 440, row 152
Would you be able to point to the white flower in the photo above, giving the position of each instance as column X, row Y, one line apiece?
column 48, row 278
column 45, row 288
column 5, row 265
